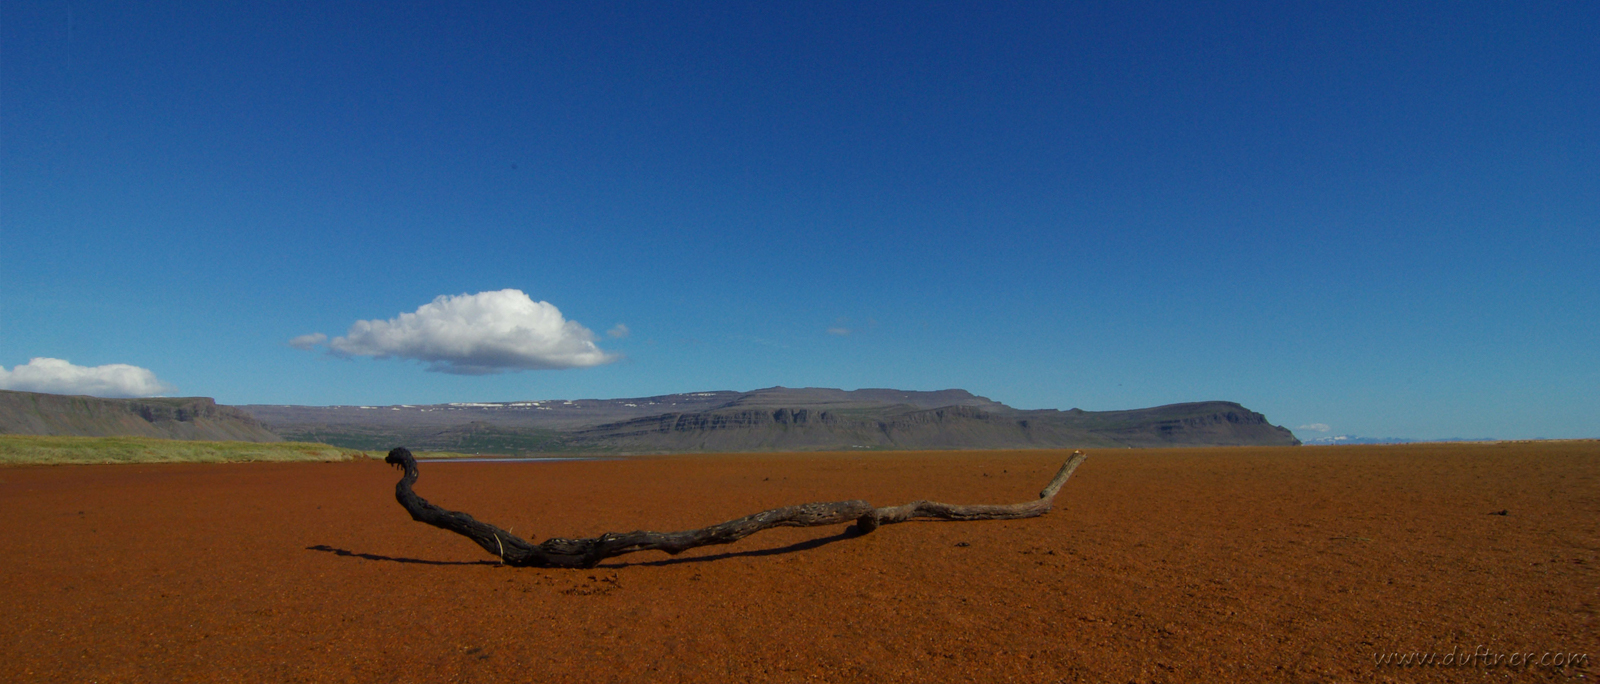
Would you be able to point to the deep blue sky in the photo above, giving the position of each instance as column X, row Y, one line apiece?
column 1383, row 218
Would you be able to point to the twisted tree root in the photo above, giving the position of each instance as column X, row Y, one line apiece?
column 585, row 553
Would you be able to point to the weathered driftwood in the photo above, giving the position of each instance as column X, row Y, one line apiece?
column 585, row 553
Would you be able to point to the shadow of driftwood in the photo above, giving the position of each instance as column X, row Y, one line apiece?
column 372, row 556
column 849, row 533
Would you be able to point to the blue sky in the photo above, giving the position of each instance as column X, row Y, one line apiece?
column 1381, row 218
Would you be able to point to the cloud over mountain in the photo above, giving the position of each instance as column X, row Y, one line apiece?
column 55, row 376
column 477, row 334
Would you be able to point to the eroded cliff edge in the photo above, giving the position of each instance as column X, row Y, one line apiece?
column 33, row 413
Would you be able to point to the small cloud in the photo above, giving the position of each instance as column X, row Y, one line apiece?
column 1319, row 427
column 308, row 341
column 618, row 331
column 841, row 327
column 478, row 334
column 761, row 341
column 55, row 376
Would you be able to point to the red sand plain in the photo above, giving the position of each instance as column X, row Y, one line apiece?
column 1181, row 565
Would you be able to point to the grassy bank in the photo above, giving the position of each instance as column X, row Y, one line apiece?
column 39, row 450
column 42, row 450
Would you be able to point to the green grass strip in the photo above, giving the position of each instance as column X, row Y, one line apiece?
column 50, row 450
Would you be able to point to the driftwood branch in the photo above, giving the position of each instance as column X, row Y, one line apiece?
column 585, row 553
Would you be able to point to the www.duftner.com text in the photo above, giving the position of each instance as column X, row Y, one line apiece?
column 1481, row 656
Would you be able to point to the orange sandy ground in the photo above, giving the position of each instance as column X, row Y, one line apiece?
column 1183, row 565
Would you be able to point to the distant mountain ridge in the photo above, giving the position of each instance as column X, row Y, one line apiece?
column 772, row 419
column 33, row 413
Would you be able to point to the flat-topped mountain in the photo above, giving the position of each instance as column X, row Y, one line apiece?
column 33, row 413
column 773, row 419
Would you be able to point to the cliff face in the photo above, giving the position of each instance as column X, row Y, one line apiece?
column 197, row 418
column 1211, row 423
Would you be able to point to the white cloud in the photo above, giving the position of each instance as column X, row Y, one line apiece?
column 308, row 341
column 840, row 327
column 761, row 341
column 619, row 331
column 55, row 376
column 1319, row 427
column 488, row 332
